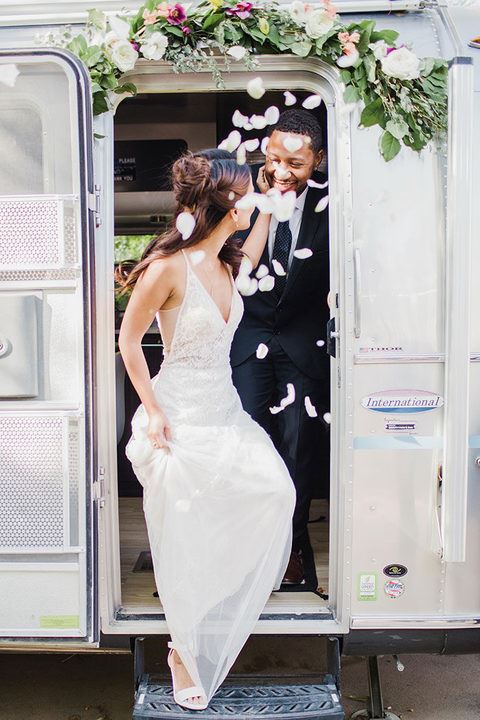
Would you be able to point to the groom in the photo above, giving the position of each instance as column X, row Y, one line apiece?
column 291, row 321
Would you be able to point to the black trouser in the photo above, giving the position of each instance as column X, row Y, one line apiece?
column 302, row 441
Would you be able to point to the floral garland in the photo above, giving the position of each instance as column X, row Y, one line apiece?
column 403, row 94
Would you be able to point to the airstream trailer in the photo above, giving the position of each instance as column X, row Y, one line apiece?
column 398, row 557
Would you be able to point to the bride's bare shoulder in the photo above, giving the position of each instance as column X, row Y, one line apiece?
column 166, row 266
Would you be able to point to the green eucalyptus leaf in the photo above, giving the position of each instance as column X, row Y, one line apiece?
column 373, row 113
column 370, row 66
column 78, row 45
column 212, row 19
column 100, row 104
column 389, row 146
column 398, row 128
column 301, row 48
column 351, row 94
column 427, row 66
column 346, row 76
column 97, row 18
column 126, row 88
column 388, row 36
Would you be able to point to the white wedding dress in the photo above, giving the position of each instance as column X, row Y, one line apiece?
column 218, row 502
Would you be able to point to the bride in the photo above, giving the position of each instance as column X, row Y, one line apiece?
column 218, row 499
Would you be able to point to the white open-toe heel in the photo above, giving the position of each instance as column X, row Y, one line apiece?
column 181, row 696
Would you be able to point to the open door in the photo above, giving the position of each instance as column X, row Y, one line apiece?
column 47, row 467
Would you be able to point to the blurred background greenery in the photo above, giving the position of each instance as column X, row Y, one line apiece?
column 128, row 247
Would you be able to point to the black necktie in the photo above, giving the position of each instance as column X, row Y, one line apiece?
column 281, row 252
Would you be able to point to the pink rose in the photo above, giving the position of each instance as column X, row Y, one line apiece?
column 149, row 17
column 344, row 37
column 349, row 49
column 163, row 9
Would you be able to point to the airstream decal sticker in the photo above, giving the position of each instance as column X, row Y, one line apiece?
column 394, row 588
column 367, row 586
column 395, row 570
column 402, row 401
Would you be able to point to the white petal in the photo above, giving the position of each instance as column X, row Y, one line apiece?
column 292, row 144
column 241, row 154
column 262, row 351
column 322, row 204
column 261, row 271
column 283, row 205
column 328, row 418
column 248, row 288
column 311, row 410
column 265, row 284
column 8, row 74
column 280, row 173
column 320, row 186
column 290, row 98
column 278, row 267
column 237, row 51
column 248, row 126
column 264, row 145
column 185, row 224
column 231, row 195
column 276, row 410
column 251, row 145
column 290, row 398
column 311, row 102
column 247, row 201
column 119, row 27
column 320, row 343
column 246, row 266
column 255, row 88
column 197, row 257
column 238, row 119
column 303, row 253
column 346, row 61
column 258, row 122
column 272, row 114
column 232, row 142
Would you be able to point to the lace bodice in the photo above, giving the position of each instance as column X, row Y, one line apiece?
column 194, row 385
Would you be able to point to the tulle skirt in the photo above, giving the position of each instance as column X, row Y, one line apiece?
column 218, row 505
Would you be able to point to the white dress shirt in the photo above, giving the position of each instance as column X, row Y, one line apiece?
column 294, row 223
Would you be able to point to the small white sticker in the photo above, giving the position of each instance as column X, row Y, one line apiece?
column 394, row 588
column 400, row 427
column 367, row 586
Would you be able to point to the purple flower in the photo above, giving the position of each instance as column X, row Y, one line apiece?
column 177, row 15
column 242, row 10
column 135, row 45
column 391, row 49
column 186, row 30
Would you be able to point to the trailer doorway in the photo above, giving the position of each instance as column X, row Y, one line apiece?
column 151, row 130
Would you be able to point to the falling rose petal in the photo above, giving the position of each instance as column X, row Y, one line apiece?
column 280, row 173
column 266, row 284
column 311, row 410
column 346, row 61
column 241, row 154
column 320, row 343
column 320, row 186
column 185, row 224
column 262, row 271
column 275, row 410
column 258, row 122
column 328, row 418
column 283, row 205
column 238, row 119
column 311, row 102
column 264, row 145
column 232, row 142
column 246, row 266
column 251, row 145
column 322, row 204
column 251, row 289
column 255, row 88
column 290, row 98
column 248, row 126
column 262, row 351
column 237, row 51
column 272, row 114
column 292, row 144
column 231, row 195
column 303, row 253
column 246, row 202
column 9, row 74
column 290, row 398
column 197, row 257
column 278, row 267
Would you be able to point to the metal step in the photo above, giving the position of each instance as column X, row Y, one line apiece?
column 154, row 699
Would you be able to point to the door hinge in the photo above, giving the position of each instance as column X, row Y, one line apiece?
column 99, row 487
column 94, row 205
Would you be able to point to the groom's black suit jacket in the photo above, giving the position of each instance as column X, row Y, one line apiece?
column 299, row 317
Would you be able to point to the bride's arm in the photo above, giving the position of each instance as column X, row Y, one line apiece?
column 254, row 245
column 149, row 294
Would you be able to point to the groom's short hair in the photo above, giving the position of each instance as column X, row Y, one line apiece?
column 301, row 122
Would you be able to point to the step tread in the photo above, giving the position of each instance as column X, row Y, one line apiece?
column 154, row 699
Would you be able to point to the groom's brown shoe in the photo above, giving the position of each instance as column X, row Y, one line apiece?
column 294, row 574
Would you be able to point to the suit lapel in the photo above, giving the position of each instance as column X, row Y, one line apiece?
column 308, row 229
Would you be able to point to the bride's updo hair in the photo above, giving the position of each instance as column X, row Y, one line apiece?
column 207, row 187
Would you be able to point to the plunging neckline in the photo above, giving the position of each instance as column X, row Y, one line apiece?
column 232, row 285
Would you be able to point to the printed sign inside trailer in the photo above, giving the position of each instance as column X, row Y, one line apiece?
column 402, row 401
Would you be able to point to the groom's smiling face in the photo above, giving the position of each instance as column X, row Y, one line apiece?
column 290, row 161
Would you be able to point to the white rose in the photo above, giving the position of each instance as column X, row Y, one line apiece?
column 401, row 64
column 379, row 49
column 298, row 11
column 155, row 46
column 317, row 23
column 123, row 55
